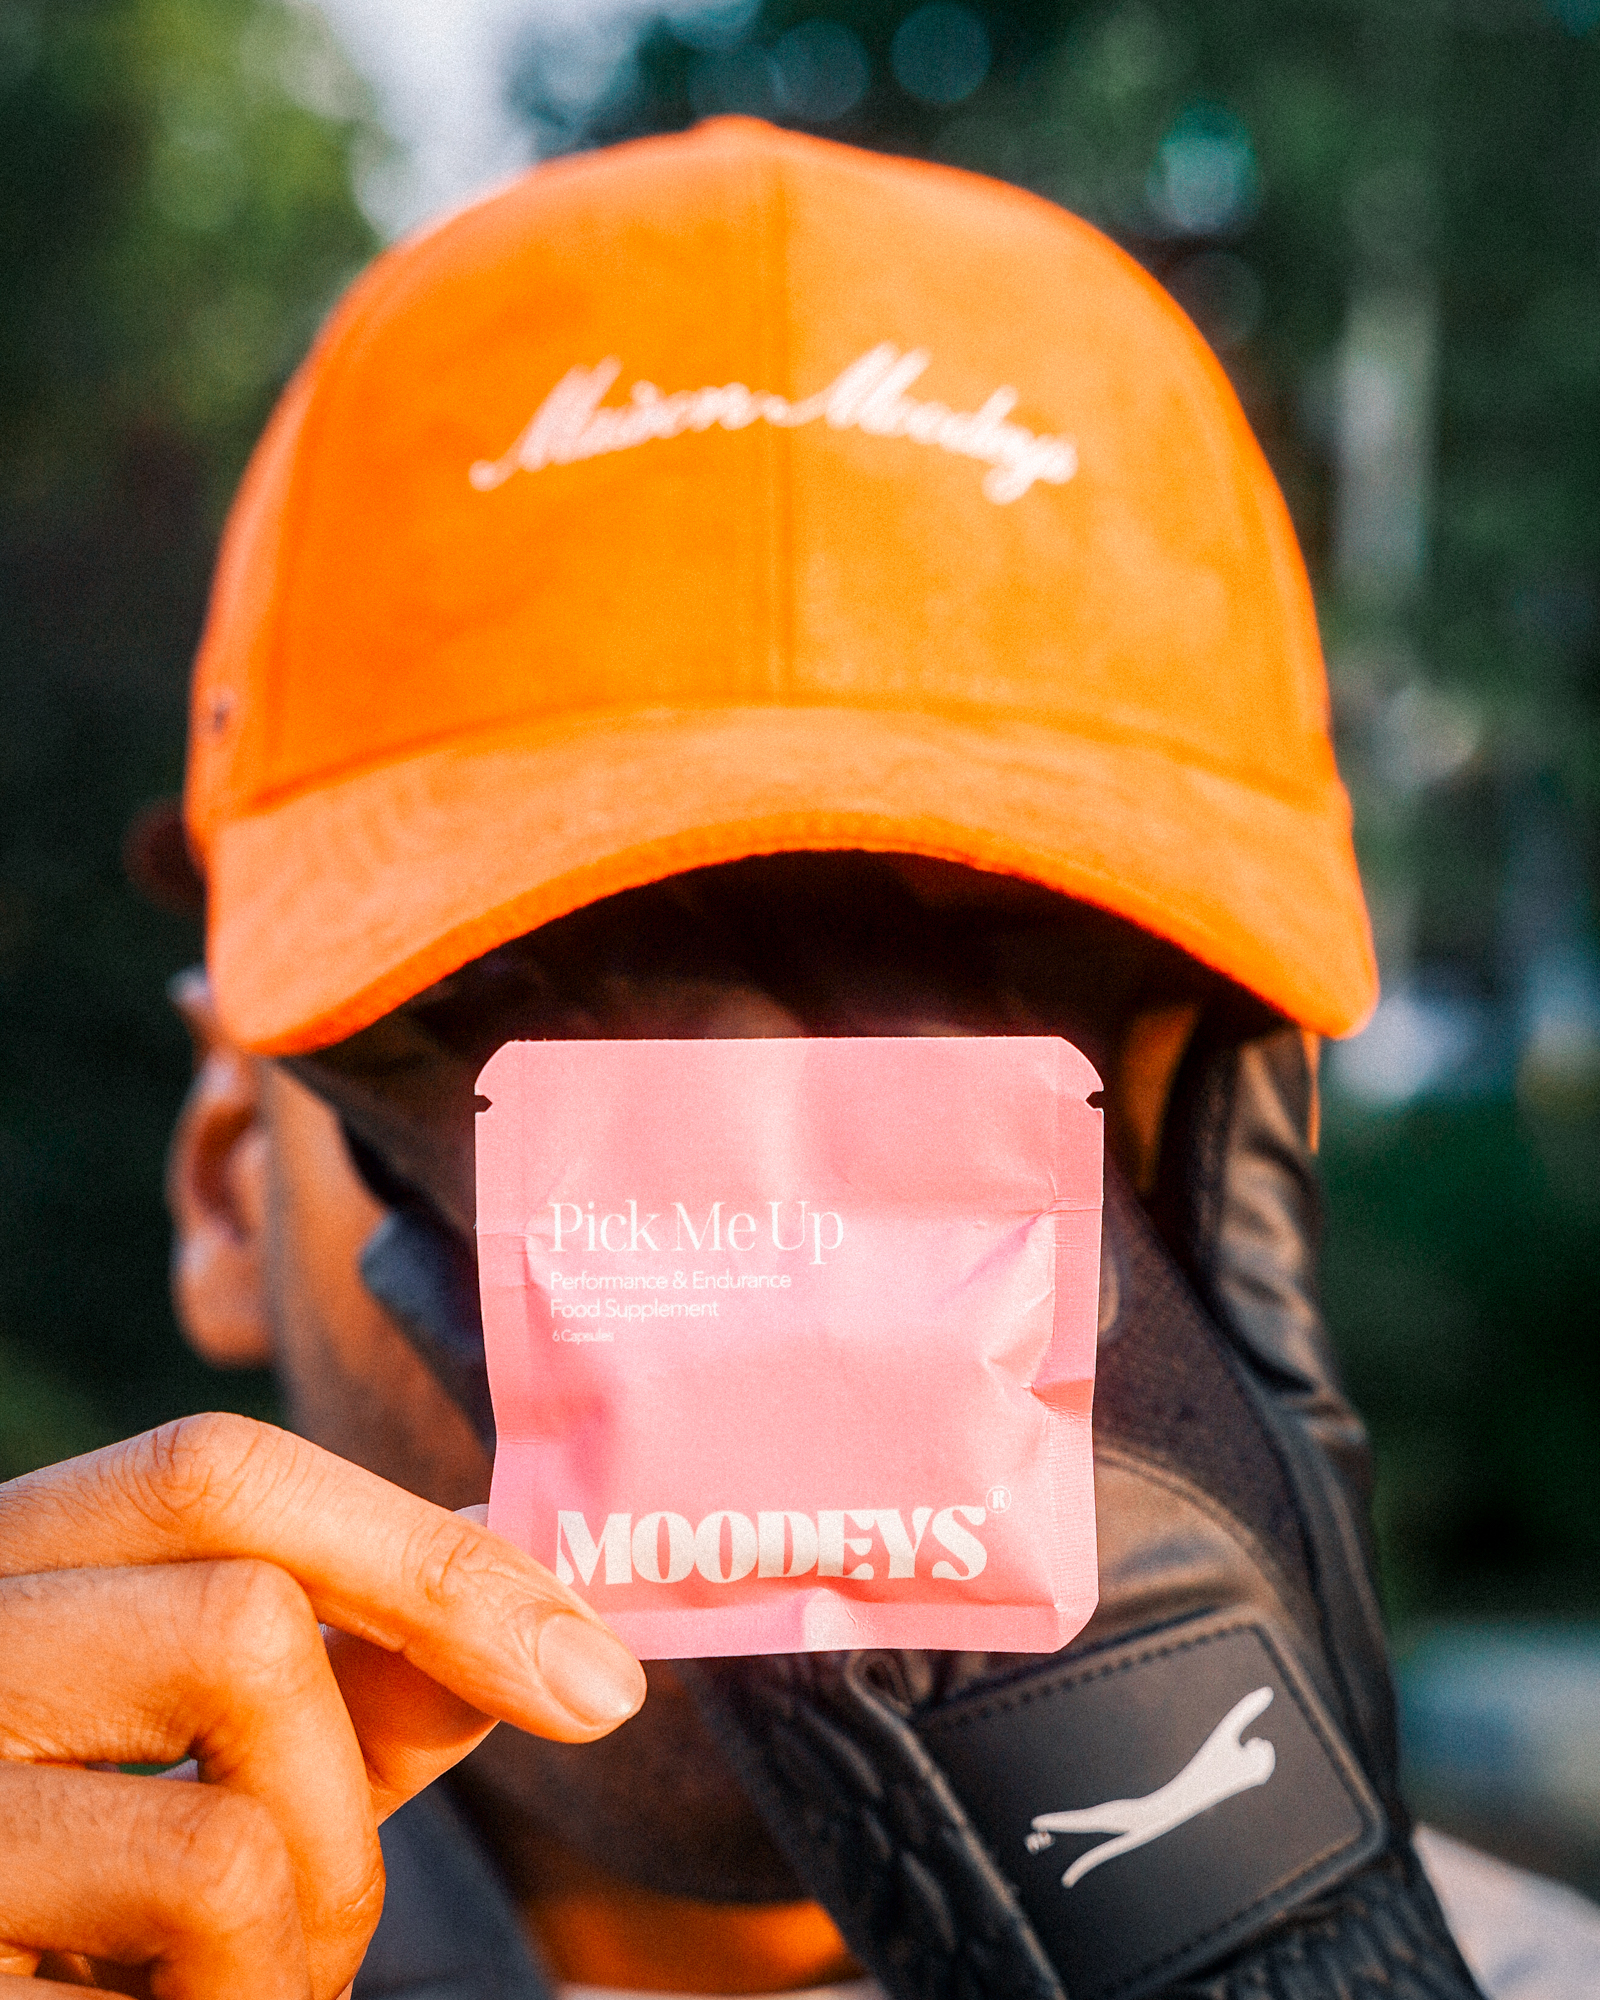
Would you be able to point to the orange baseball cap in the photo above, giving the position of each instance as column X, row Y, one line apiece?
column 738, row 492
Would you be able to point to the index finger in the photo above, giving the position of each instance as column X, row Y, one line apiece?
column 463, row 1606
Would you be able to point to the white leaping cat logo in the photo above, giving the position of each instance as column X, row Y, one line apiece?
column 1218, row 1770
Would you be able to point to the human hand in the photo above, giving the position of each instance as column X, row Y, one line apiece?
column 161, row 1600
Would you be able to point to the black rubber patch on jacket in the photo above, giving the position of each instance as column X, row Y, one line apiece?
column 1210, row 1792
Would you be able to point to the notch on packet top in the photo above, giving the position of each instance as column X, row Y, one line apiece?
column 792, row 1342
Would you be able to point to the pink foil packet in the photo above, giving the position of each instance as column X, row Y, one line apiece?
column 792, row 1342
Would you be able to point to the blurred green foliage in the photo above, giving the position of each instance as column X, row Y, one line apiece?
column 1459, row 1274
column 175, row 216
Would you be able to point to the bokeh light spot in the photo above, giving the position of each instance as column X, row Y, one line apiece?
column 1204, row 179
column 820, row 72
column 716, row 28
column 940, row 54
column 737, row 80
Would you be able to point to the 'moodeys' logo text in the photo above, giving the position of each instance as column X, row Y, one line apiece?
column 624, row 1232
column 856, row 1544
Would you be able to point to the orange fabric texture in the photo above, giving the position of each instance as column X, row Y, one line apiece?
column 966, row 550
column 627, row 1939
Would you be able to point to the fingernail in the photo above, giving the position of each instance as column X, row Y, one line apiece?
column 589, row 1672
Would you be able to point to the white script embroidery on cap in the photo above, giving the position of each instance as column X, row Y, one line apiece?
column 574, row 422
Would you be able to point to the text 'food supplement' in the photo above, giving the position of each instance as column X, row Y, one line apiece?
column 791, row 1342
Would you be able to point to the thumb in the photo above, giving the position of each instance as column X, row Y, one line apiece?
column 411, row 1730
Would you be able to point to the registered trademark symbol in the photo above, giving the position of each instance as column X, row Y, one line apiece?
column 997, row 1499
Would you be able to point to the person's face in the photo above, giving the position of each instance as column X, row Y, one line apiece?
column 272, row 1214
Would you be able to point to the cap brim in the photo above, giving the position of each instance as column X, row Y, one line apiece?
column 443, row 855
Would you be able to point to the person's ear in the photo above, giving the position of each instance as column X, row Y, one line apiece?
column 217, row 1193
